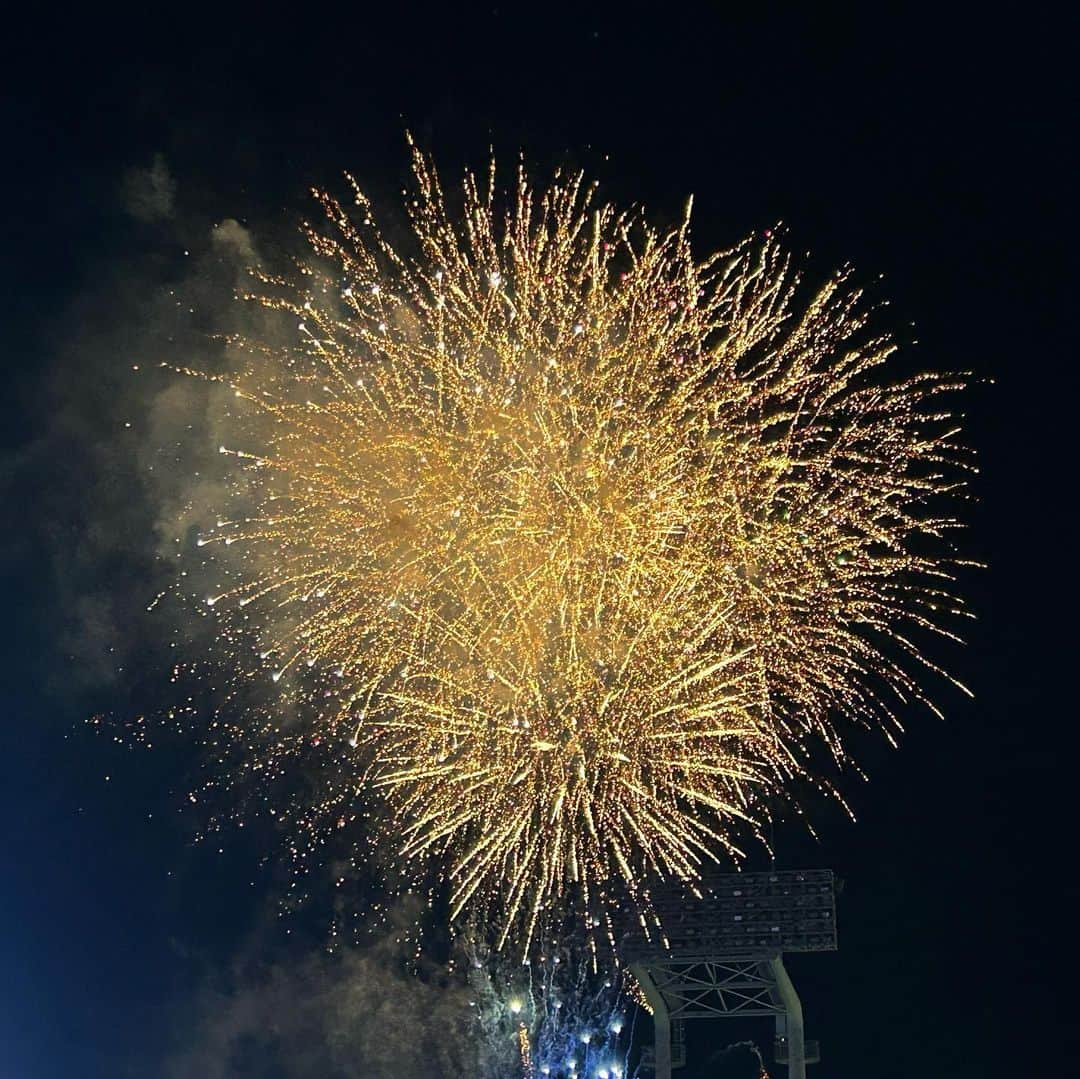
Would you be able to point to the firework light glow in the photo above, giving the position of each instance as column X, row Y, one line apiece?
column 562, row 1017
column 575, row 545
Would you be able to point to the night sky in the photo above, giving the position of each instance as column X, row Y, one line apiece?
column 932, row 149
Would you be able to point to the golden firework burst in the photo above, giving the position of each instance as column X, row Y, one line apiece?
column 586, row 540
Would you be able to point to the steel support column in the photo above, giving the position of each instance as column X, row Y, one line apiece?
column 661, row 1018
column 718, row 954
column 792, row 1018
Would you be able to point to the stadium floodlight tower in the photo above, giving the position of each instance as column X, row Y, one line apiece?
column 720, row 955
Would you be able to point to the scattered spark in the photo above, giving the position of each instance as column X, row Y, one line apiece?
column 580, row 543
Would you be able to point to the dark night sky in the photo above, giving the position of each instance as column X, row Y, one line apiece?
column 933, row 149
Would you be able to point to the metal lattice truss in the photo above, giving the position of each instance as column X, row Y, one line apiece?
column 716, row 952
column 715, row 990
column 720, row 989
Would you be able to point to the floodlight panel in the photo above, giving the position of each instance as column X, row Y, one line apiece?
column 738, row 914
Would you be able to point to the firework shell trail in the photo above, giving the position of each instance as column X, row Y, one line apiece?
column 578, row 545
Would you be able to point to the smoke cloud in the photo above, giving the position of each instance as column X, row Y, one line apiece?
column 126, row 460
column 123, row 463
column 150, row 193
column 336, row 1017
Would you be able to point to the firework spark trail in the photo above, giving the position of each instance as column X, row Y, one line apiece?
column 578, row 543
column 562, row 1016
